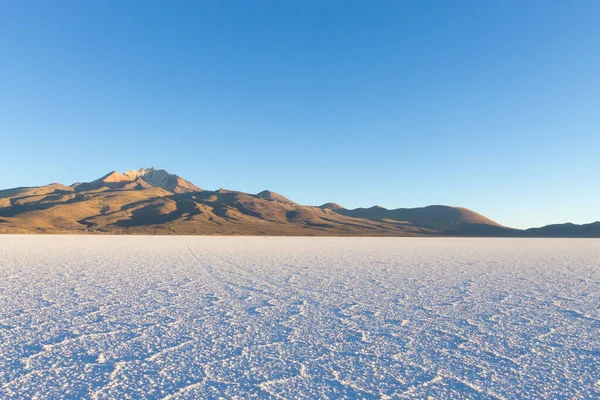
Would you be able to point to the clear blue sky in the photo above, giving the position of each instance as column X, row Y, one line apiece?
column 490, row 105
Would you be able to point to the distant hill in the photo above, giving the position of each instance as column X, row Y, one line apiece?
column 440, row 218
column 566, row 230
column 154, row 201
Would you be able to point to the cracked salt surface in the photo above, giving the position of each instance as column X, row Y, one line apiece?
column 107, row 317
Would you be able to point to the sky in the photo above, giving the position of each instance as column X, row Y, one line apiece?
column 490, row 105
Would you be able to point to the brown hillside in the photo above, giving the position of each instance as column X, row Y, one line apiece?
column 149, row 201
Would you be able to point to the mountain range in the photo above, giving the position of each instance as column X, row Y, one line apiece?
column 154, row 201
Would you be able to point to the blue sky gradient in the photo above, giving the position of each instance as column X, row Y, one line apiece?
column 490, row 105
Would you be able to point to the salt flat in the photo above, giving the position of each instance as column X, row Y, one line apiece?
column 207, row 317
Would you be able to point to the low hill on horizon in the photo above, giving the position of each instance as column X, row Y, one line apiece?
column 154, row 201
column 567, row 229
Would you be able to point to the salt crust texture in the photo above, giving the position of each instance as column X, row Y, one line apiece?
column 108, row 317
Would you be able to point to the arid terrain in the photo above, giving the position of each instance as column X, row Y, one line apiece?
column 151, row 201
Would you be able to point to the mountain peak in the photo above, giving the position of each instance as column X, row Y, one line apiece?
column 150, row 176
column 142, row 172
column 331, row 206
column 112, row 177
column 269, row 195
column 162, row 178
